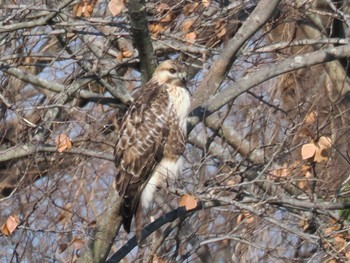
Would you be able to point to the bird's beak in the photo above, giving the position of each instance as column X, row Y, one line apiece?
column 182, row 76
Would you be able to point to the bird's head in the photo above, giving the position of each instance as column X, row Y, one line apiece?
column 170, row 72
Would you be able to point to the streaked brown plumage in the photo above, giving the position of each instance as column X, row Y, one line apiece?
column 152, row 139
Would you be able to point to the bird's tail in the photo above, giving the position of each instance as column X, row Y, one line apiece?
column 127, row 213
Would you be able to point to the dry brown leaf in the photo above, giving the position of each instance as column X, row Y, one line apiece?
column 308, row 174
column 322, row 155
column 189, row 8
column 162, row 7
column 78, row 243
column 186, row 25
column 191, row 36
column 220, row 28
column 324, row 142
column 328, row 230
column 116, row 6
column 305, row 167
column 156, row 28
column 168, row 18
column 320, row 151
column 303, row 223
column 188, row 201
column 347, row 255
column 206, row 3
column 302, row 184
column 127, row 54
column 310, row 117
column 323, row 151
column 62, row 247
column 304, row 132
column 120, row 56
column 4, row 230
column 63, row 142
column 308, row 150
column 282, row 172
column 84, row 8
column 157, row 259
column 231, row 182
column 306, row 226
column 340, row 241
column 221, row 33
column 240, row 217
column 250, row 220
column 92, row 224
column 65, row 214
column 11, row 224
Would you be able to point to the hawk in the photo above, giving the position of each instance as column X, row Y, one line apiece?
column 151, row 140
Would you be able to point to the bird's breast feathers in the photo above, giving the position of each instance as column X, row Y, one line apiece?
column 180, row 100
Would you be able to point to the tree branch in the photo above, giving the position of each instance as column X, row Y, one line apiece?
column 141, row 37
column 221, row 66
column 29, row 149
column 251, row 80
column 35, row 23
column 56, row 87
column 152, row 227
column 108, row 225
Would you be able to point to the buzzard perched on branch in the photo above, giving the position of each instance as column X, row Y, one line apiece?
column 151, row 140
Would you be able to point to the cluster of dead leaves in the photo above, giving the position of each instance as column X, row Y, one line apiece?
column 63, row 143
column 317, row 151
column 167, row 14
column 10, row 225
column 301, row 171
column 248, row 218
column 284, row 171
column 338, row 239
column 84, row 8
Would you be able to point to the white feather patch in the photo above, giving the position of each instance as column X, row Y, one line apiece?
column 181, row 100
column 166, row 170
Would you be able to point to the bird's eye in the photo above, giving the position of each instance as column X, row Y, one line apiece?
column 172, row 71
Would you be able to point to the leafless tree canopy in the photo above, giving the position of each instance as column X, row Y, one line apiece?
column 267, row 159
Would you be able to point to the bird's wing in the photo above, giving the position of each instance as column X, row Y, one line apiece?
column 140, row 145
